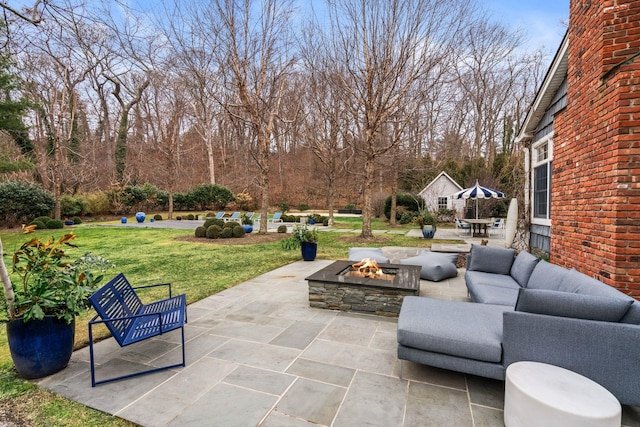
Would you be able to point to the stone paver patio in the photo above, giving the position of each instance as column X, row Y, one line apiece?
column 258, row 355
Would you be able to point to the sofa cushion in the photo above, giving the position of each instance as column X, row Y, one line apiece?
column 547, row 276
column 522, row 267
column 456, row 328
column 358, row 254
column 568, row 304
column 487, row 294
column 491, row 259
column 451, row 256
column 633, row 315
column 475, row 278
column 434, row 266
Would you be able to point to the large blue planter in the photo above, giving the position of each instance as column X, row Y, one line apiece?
column 309, row 250
column 248, row 228
column 40, row 347
column 428, row 231
column 140, row 216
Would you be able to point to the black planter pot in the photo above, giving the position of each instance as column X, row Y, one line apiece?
column 309, row 250
column 40, row 347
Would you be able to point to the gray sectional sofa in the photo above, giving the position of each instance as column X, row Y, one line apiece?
column 527, row 309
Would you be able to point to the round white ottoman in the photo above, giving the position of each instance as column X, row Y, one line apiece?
column 537, row 394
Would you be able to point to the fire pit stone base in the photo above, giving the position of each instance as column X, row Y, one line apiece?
column 360, row 298
column 332, row 290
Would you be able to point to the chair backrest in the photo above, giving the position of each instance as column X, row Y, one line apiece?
column 116, row 299
column 250, row 214
column 235, row 215
column 220, row 214
column 497, row 223
column 277, row 215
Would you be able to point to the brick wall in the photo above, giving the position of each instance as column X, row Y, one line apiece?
column 596, row 177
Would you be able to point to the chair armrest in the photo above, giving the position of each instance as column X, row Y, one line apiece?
column 606, row 352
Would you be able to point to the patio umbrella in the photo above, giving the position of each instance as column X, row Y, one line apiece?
column 478, row 192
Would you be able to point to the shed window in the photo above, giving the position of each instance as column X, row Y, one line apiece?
column 443, row 202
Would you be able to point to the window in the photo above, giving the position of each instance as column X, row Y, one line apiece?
column 443, row 203
column 541, row 177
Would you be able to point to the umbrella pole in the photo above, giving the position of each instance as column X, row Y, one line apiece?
column 476, row 208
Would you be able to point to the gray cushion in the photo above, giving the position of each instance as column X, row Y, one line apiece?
column 358, row 254
column 435, row 267
column 523, row 266
column 567, row 304
column 475, row 278
column 490, row 259
column 487, row 294
column 454, row 328
column 633, row 315
column 547, row 276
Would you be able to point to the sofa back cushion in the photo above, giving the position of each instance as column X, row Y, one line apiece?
column 547, row 276
column 568, row 304
column 587, row 285
column 491, row 259
column 522, row 267
column 358, row 254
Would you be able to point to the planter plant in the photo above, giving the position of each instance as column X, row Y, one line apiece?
column 427, row 223
column 247, row 223
column 304, row 238
column 42, row 305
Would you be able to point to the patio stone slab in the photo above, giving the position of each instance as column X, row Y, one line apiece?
column 312, row 401
column 258, row 355
column 374, row 400
column 430, row 405
column 322, row 372
column 260, row 380
column 299, row 335
column 226, row 405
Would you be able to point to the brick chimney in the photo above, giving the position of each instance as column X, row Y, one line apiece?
column 595, row 195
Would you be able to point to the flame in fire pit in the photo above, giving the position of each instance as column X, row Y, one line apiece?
column 368, row 268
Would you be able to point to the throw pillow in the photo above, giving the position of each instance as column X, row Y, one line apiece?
column 522, row 267
column 491, row 259
column 567, row 304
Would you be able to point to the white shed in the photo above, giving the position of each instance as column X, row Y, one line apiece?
column 437, row 194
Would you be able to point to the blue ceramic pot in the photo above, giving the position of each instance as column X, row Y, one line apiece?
column 247, row 228
column 309, row 250
column 124, row 220
column 40, row 347
column 140, row 216
column 428, row 231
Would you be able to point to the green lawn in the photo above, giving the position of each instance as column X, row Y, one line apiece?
column 149, row 256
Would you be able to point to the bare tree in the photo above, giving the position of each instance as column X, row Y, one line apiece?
column 386, row 48
column 254, row 39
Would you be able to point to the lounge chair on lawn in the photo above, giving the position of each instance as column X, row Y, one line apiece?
column 234, row 217
column 219, row 215
column 277, row 217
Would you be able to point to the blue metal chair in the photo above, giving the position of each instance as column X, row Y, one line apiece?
column 131, row 321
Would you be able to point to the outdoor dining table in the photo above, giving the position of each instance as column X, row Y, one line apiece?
column 479, row 226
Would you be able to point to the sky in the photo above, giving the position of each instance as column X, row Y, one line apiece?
column 543, row 21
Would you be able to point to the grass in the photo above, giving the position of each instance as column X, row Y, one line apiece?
column 149, row 256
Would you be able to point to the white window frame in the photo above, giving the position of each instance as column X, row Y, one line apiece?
column 446, row 202
column 535, row 163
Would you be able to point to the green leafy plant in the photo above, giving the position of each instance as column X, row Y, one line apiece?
column 201, row 232
column 213, row 231
column 49, row 284
column 246, row 220
column 301, row 233
column 282, row 229
column 55, row 224
column 158, row 217
column 425, row 218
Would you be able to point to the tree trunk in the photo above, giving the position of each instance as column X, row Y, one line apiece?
column 369, row 174
column 9, row 296
column 120, row 154
column 170, row 214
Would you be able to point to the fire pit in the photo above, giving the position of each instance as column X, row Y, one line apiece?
column 364, row 286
